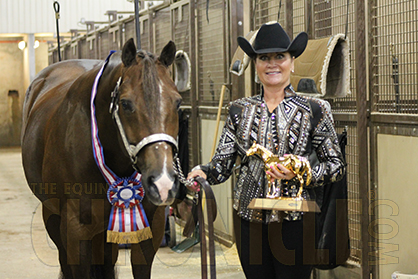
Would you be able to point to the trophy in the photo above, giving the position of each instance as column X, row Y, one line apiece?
column 274, row 200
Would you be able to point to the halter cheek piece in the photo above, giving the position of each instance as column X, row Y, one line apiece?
column 133, row 150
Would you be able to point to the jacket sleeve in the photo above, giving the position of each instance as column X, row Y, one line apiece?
column 331, row 167
column 220, row 168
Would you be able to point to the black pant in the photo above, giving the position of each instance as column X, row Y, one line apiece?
column 277, row 250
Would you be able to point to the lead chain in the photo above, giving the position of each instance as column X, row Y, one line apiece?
column 178, row 170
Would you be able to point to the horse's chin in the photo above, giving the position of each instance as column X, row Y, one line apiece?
column 167, row 202
column 156, row 200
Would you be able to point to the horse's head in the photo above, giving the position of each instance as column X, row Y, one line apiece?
column 253, row 149
column 145, row 105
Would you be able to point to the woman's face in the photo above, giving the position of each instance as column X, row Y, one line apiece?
column 274, row 69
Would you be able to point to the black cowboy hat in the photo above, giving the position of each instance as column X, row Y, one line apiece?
column 272, row 38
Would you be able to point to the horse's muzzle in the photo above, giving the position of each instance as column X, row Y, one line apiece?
column 161, row 190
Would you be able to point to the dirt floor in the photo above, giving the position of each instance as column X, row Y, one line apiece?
column 27, row 251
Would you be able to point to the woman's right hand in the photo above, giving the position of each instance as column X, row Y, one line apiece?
column 195, row 186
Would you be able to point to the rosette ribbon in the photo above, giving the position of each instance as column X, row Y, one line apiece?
column 127, row 221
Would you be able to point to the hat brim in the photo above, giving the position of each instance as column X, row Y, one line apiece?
column 296, row 47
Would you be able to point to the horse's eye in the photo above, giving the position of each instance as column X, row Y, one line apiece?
column 127, row 106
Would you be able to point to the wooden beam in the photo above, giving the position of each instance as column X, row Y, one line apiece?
column 362, row 129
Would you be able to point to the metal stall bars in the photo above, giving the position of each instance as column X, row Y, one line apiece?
column 328, row 19
column 394, row 110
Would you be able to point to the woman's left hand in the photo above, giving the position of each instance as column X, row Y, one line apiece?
column 280, row 172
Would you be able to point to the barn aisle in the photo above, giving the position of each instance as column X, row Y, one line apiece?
column 27, row 252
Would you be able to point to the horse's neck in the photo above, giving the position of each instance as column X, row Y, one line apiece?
column 264, row 153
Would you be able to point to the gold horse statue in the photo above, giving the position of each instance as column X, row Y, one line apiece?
column 298, row 165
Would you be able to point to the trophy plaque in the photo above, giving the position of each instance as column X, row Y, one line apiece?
column 274, row 199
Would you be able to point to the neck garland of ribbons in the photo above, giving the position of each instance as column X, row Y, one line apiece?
column 128, row 222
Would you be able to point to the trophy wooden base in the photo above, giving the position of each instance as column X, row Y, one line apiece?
column 284, row 205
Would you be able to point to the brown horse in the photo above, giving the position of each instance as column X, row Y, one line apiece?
column 58, row 156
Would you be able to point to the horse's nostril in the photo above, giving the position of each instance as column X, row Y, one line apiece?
column 153, row 192
column 151, row 180
column 176, row 185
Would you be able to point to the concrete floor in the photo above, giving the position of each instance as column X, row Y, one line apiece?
column 27, row 252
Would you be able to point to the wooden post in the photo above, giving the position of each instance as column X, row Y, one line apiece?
column 362, row 128
column 218, row 119
column 289, row 18
column 309, row 19
column 194, row 92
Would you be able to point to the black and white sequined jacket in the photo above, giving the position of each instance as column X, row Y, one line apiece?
column 300, row 126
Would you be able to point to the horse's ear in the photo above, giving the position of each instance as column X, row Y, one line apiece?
column 168, row 54
column 128, row 52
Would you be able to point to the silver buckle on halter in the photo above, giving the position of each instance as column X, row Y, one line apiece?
column 114, row 98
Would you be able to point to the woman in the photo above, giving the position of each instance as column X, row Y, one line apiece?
column 274, row 244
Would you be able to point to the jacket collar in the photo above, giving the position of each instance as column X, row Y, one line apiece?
column 289, row 93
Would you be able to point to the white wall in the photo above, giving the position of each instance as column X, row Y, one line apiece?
column 38, row 16
column 15, row 76
column 394, row 233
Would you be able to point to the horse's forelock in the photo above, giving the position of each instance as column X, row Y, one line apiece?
column 150, row 84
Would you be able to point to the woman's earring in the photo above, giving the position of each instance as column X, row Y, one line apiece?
column 293, row 70
column 256, row 78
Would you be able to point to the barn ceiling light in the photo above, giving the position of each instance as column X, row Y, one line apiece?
column 21, row 45
column 36, row 44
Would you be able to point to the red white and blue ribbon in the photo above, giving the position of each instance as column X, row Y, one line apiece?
column 128, row 222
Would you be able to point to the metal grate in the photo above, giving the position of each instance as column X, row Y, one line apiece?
column 145, row 34
column 162, row 30
column 330, row 18
column 51, row 58
column 211, row 51
column 128, row 32
column 91, row 47
column 129, row 28
column 104, row 45
column 180, row 25
column 298, row 17
column 323, row 18
column 82, row 49
column 114, row 40
column 265, row 11
column 394, row 51
column 354, row 203
column 67, row 52
column 181, row 36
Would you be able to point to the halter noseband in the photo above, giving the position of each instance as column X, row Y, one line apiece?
column 133, row 150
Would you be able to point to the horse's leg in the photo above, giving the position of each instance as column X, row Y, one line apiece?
column 52, row 224
column 104, row 259
column 142, row 254
column 76, row 237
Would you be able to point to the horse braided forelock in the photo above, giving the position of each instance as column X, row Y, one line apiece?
column 150, row 84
